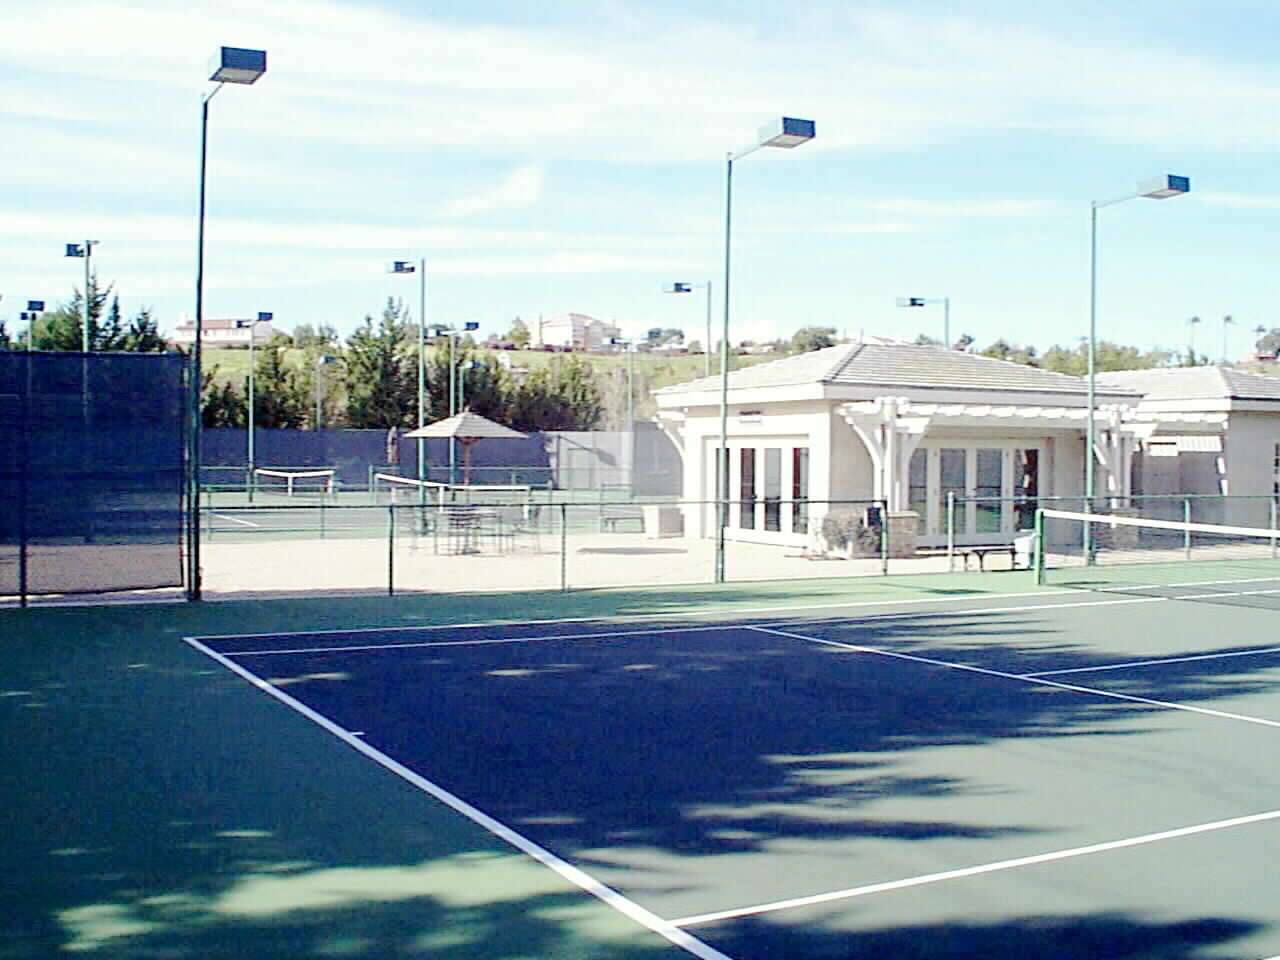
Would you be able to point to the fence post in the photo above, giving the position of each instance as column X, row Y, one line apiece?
column 564, row 550
column 1273, row 526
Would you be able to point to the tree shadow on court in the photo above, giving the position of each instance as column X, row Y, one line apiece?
column 702, row 742
column 1110, row 935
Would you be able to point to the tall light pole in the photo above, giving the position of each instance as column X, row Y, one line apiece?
column 629, row 346
column 454, row 405
column 786, row 132
column 229, row 65
column 84, row 250
column 1158, row 188
column 689, row 288
column 253, row 335
column 946, row 312
column 404, row 266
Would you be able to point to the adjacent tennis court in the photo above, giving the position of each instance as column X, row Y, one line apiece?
column 997, row 774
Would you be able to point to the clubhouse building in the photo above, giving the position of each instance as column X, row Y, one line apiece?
column 884, row 420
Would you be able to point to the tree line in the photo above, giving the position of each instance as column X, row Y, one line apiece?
column 371, row 381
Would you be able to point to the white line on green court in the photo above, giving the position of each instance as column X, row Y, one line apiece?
column 862, row 891
column 1160, row 661
column 1092, row 691
column 605, row 634
column 247, row 523
column 638, row 617
column 579, row 878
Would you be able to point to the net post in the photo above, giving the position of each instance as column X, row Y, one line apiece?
column 1186, row 534
column 564, row 553
column 951, row 531
column 391, row 549
column 1039, row 547
column 1274, row 551
column 884, row 538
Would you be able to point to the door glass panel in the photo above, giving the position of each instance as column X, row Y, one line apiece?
column 1026, row 487
column 918, row 485
column 773, row 488
column 800, row 489
column 951, row 480
column 747, row 489
column 986, row 488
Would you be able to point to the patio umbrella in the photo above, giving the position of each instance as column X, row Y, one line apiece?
column 467, row 428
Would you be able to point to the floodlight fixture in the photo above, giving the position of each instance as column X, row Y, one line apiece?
column 35, row 306
column 85, row 252
column 679, row 288
column 402, row 266
column 786, row 132
column 946, row 312
column 1163, row 187
column 237, row 65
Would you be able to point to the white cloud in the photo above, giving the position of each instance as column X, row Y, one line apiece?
column 1242, row 201
column 520, row 190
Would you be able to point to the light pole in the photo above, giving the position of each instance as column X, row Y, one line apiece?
column 322, row 361
column 252, row 325
column 404, row 266
column 786, row 132
column 689, row 288
column 1192, row 323
column 946, row 313
column 229, row 65
column 1158, row 188
column 631, row 403
column 85, row 251
column 34, row 309
column 454, row 405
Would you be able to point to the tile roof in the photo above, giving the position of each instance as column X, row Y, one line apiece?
column 1190, row 383
column 894, row 364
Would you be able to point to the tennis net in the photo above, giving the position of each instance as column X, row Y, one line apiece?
column 291, row 482
column 1113, row 552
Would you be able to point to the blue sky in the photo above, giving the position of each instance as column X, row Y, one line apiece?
column 561, row 156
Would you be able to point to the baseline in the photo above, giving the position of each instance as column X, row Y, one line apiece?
column 579, row 878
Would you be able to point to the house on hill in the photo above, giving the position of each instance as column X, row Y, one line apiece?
column 883, row 420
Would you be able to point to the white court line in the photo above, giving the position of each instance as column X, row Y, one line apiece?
column 1166, row 704
column 1153, row 663
column 247, row 523
column 728, row 625
column 851, row 892
column 572, row 874
column 634, row 617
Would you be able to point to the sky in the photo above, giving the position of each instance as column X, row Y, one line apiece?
column 561, row 156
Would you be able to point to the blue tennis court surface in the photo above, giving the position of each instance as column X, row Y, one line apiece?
column 1053, row 776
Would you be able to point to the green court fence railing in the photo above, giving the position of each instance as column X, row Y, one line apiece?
column 546, row 539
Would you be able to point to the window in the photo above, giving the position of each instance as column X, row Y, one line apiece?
column 800, row 489
column 773, row 488
column 747, row 489
column 1026, row 487
column 986, row 488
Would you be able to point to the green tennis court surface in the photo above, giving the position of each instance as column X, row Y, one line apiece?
column 922, row 767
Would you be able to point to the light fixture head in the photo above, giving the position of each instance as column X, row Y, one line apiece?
column 237, row 65
column 786, row 132
column 402, row 266
column 680, row 288
column 1163, row 187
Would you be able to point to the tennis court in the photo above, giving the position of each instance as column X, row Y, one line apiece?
column 937, row 766
column 815, row 784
